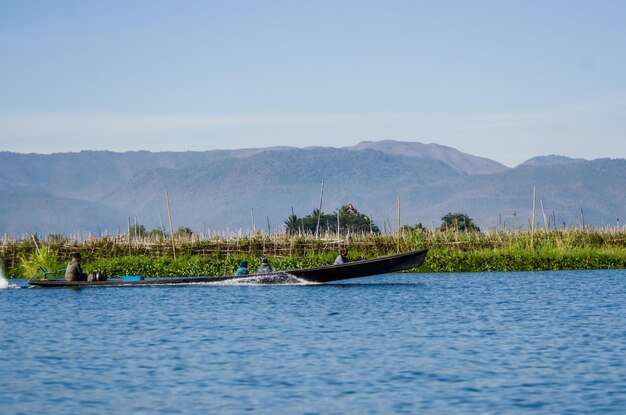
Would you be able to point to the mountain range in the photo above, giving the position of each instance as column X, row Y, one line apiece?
column 98, row 191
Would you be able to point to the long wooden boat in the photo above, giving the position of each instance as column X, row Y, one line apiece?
column 355, row 269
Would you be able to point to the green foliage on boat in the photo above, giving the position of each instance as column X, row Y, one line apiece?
column 45, row 258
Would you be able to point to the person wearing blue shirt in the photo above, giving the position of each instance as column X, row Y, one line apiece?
column 243, row 268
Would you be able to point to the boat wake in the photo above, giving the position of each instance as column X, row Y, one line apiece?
column 275, row 278
column 4, row 283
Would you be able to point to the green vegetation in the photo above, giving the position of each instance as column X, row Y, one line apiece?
column 190, row 266
column 547, row 259
column 140, row 231
column 460, row 222
column 451, row 251
column 346, row 217
column 45, row 258
column 137, row 230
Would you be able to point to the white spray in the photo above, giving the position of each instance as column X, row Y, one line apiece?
column 3, row 281
column 274, row 278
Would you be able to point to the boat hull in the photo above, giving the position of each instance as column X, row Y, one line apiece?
column 355, row 269
column 365, row 268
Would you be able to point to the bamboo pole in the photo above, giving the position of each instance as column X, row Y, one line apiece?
column 319, row 214
column 338, row 233
column 161, row 220
column 32, row 235
column 582, row 217
column 253, row 224
column 169, row 217
column 543, row 212
column 532, row 225
column 129, row 237
column 398, row 231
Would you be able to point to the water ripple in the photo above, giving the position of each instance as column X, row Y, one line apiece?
column 406, row 343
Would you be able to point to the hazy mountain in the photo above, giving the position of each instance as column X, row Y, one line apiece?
column 550, row 160
column 96, row 191
column 462, row 162
column 506, row 198
column 93, row 174
column 27, row 211
column 223, row 193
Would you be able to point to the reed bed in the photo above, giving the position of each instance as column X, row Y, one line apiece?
column 218, row 255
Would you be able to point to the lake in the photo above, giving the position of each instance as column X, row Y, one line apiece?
column 523, row 342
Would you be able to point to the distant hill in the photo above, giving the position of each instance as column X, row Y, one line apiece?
column 505, row 199
column 91, row 175
column 34, row 211
column 98, row 191
column 222, row 194
column 550, row 160
column 459, row 161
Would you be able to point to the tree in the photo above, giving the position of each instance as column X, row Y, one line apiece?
column 458, row 221
column 416, row 228
column 156, row 233
column 183, row 232
column 291, row 224
column 57, row 237
column 350, row 220
column 137, row 230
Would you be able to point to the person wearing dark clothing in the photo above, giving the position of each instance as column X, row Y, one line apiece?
column 243, row 268
column 342, row 258
column 264, row 267
column 74, row 272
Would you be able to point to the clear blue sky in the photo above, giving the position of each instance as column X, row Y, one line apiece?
column 501, row 79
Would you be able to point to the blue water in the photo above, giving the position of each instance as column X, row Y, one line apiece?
column 541, row 342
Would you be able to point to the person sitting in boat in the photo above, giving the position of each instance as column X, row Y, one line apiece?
column 264, row 267
column 74, row 272
column 342, row 258
column 243, row 268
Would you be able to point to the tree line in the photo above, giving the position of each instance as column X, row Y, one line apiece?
column 346, row 219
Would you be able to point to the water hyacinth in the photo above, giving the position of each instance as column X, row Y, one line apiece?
column 450, row 251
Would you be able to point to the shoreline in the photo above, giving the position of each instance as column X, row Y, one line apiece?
column 563, row 249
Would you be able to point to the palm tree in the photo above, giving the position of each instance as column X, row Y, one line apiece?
column 291, row 224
